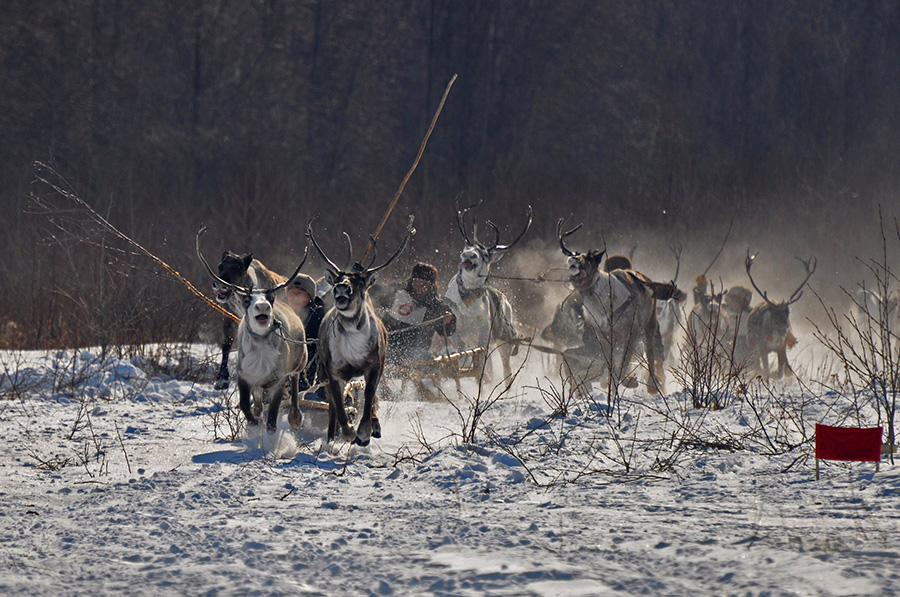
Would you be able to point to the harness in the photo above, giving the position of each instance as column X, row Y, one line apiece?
column 468, row 296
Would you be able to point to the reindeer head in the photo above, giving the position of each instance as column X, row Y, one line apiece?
column 233, row 269
column 582, row 268
column 351, row 283
column 260, row 300
column 259, row 308
column 476, row 257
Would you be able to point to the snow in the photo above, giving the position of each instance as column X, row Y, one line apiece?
column 117, row 476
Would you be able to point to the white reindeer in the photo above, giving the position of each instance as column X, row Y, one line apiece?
column 871, row 309
column 243, row 271
column 619, row 307
column 271, row 344
column 483, row 314
column 352, row 341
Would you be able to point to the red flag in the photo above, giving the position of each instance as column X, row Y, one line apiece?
column 848, row 443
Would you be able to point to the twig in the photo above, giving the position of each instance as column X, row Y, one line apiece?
column 122, row 443
column 724, row 241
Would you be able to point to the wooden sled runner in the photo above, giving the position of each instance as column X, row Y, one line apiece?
column 455, row 365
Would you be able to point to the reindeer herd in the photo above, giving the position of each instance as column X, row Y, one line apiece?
column 615, row 322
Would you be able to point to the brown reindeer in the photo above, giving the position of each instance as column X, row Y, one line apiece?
column 352, row 340
column 769, row 325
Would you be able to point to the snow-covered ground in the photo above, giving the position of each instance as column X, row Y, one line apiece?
column 120, row 476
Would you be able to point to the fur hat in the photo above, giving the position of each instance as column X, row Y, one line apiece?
column 424, row 271
column 306, row 283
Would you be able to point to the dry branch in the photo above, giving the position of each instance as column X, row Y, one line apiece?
column 64, row 189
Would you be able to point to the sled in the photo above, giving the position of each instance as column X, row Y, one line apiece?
column 353, row 396
column 454, row 365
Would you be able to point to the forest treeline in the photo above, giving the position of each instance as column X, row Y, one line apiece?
column 251, row 116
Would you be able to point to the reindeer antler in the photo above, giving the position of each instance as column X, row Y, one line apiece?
column 296, row 271
column 409, row 232
column 235, row 287
column 309, row 235
column 498, row 247
column 748, row 263
column 461, row 219
column 810, row 266
column 676, row 250
column 349, row 248
column 562, row 236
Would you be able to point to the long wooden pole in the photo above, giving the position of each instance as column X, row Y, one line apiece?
column 409, row 174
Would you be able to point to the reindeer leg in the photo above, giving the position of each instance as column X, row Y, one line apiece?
column 295, row 417
column 244, row 402
column 764, row 363
column 332, row 419
column 274, row 407
column 783, row 364
column 654, row 350
column 227, row 341
column 364, row 429
column 505, row 354
column 337, row 413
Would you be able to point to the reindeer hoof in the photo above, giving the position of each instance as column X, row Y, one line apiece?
column 221, row 384
column 295, row 418
column 348, row 433
column 376, row 428
column 361, row 442
column 630, row 383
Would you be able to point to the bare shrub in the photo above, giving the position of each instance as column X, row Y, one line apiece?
column 866, row 344
column 96, row 290
column 17, row 379
column 710, row 368
column 223, row 418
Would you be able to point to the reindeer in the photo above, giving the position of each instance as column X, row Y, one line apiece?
column 243, row 271
column 619, row 307
column 705, row 319
column 872, row 309
column 483, row 314
column 352, row 340
column 769, row 326
column 566, row 330
column 271, row 344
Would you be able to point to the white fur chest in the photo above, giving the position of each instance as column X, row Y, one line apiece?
column 258, row 358
column 607, row 296
column 473, row 312
column 350, row 345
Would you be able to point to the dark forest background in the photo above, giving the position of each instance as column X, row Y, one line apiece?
column 652, row 122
